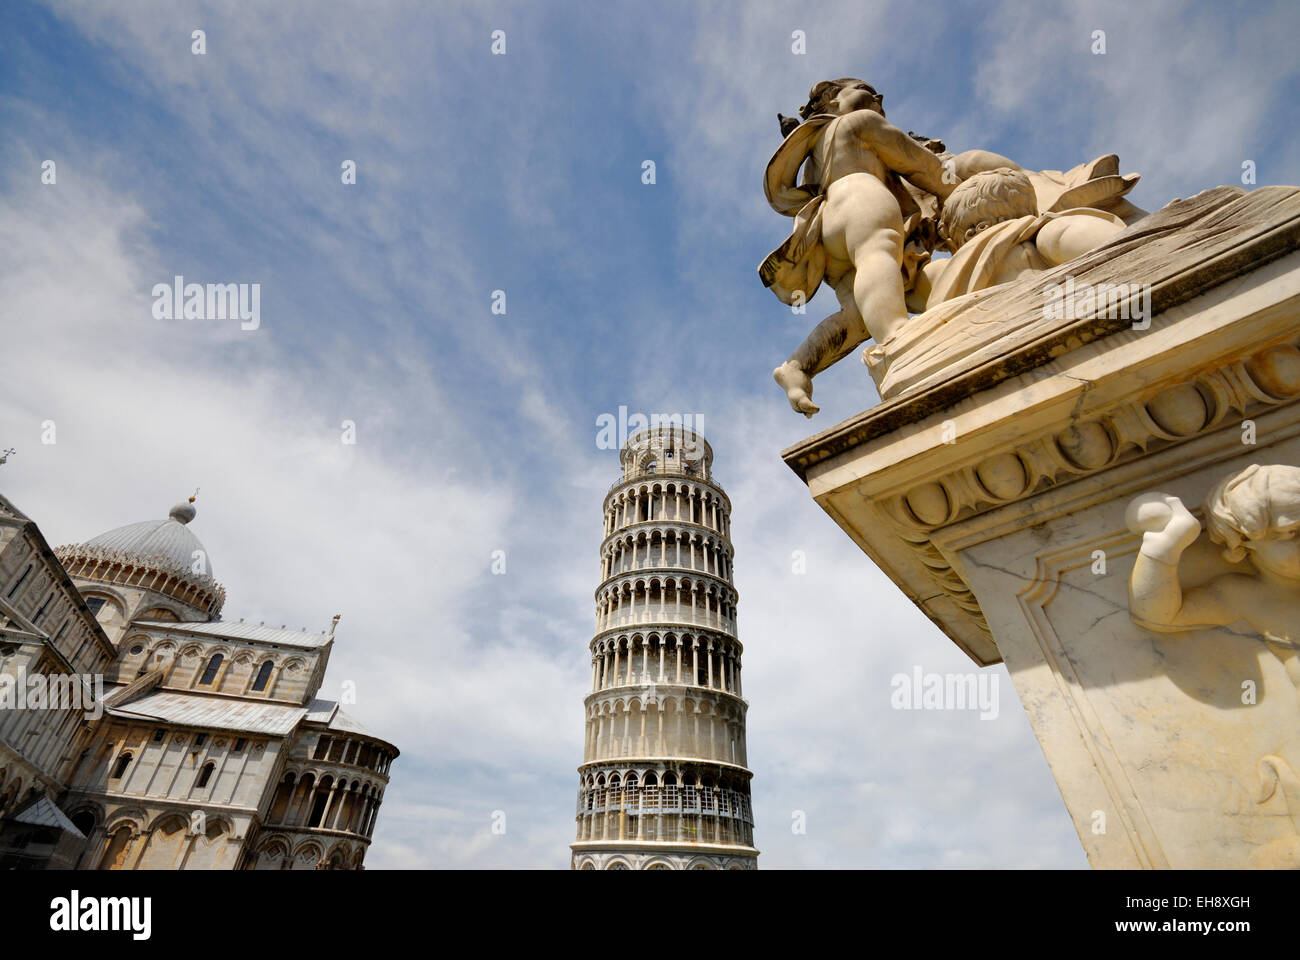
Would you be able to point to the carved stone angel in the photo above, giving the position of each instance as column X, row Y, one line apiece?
column 1255, row 515
column 865, row 218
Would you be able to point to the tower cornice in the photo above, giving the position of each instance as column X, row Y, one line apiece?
column 666, row 626
column 664, row 478
column 660, row 572
column 689, row 526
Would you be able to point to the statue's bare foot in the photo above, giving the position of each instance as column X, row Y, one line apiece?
column 797, row 386
column 877, row 358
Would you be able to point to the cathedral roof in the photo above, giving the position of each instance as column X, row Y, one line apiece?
column 170, row 540
column 327, row 712
column 162, row 555
column 9, row 510
column 14, row 624
column 239, row 630
column 42, row 812
column 220, row 713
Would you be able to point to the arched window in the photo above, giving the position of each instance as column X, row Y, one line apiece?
column 123, row 762
column 263, row 676
column 318, row 805
column 85, row 822
column 205, row 774
column 158, row 613
column 210, row 674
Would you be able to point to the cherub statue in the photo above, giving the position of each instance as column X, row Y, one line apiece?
column 849, row 222
column 1255, row 515
column 992, row 224
column 866, row 215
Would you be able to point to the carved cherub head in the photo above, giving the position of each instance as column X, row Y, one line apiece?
column 842, row 96
column 984, row 199
column 1257, row 512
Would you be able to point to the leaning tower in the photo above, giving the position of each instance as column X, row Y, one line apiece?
column 664, row 782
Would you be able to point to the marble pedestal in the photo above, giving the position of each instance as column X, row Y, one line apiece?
column 991, row 486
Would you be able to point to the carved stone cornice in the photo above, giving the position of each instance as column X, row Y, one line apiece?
column 155, row 573
column 1145, row 423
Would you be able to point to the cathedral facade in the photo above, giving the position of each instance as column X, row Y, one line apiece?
column 664, row 782
column 139, row 730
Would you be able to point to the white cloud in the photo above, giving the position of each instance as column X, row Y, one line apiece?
column 298, row 525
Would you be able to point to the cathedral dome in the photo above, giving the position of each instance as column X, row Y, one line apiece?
column 169, row 540
column 160, row 555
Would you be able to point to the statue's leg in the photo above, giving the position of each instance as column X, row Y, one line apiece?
column 1290, row 662
column 830, row 341
column 1073, row 235
column 878, row 281
column 861, row 222
column 797, row 385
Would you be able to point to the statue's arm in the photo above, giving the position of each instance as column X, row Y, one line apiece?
column 1156, row 598
column 900, row 153
column 970, row 162
column 1158, row 602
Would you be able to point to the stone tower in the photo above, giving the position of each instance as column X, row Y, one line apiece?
column 664, row 783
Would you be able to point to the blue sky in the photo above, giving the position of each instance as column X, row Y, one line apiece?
column 476, row 432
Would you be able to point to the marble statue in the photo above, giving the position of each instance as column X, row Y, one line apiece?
column 993, row 224
column 870, row 210
column 1255, row 515
column 993, row 484
column 849, row 222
